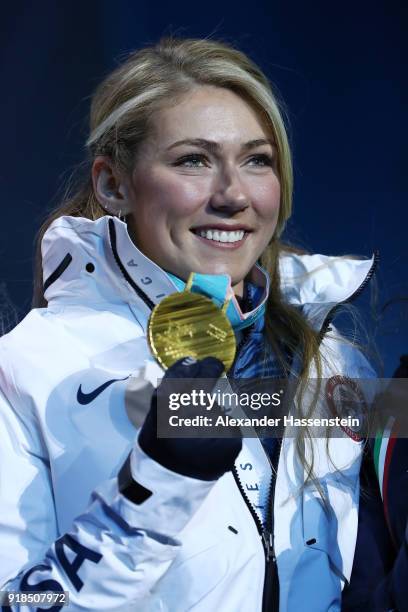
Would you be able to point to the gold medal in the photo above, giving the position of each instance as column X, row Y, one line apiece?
column 189, row 324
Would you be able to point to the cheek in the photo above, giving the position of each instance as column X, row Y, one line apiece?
column 266, row 198
column 169, row 193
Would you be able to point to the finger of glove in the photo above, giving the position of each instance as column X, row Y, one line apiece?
column 181, row 376
column 188, row 367
column 205, row 458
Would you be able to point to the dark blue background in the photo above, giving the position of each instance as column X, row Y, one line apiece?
column 339, row 67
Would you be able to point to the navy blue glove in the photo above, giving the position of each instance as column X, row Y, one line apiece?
column 203, row 458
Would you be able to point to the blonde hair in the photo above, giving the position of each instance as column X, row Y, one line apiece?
column 121, row 110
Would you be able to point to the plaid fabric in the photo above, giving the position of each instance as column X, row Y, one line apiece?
column 255, row 359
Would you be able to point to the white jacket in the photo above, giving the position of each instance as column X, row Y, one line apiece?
column 193, row 545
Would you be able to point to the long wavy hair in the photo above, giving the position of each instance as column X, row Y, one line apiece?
column 121, row 109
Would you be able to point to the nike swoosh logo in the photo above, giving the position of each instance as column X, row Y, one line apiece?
column 87, row 398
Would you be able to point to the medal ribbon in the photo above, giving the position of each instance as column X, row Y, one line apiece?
column 218, row 288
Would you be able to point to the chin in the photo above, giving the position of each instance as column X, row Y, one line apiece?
column 223, row 269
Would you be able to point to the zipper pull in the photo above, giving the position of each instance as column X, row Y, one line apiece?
column 267, row 539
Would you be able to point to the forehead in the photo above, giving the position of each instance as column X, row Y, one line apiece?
column 210, row 113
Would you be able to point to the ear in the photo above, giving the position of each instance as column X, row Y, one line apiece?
column 110, row 187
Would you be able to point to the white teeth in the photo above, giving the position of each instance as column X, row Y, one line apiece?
column 222, row 236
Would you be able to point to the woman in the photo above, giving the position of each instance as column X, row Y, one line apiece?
column 191, row 172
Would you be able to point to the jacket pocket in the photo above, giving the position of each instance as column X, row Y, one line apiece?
column 320, row 534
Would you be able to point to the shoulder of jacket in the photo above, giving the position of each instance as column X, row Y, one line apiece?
column 344, row 357
column 320, row 278
column 24, row 349
column 30, row 329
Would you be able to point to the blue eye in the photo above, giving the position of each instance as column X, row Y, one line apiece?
column 261, row 160
column 192, row 161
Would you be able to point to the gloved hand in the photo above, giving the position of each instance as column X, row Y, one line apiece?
column 202, row 458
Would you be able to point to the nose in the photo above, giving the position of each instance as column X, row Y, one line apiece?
column 228, row 193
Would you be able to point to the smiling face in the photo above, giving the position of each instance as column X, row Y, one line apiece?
column 204, row 192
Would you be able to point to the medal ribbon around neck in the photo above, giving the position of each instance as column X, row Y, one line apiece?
column 187, row 323
column 218, row 288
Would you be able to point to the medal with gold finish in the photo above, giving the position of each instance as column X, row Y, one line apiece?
column 190, row 324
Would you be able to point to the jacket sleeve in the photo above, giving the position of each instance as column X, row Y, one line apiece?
column 367, row 589
column 396, row 584
column 114, row 552
column 392, row 592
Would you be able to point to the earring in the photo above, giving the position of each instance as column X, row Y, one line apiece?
column 115, row 213
column 108, row 210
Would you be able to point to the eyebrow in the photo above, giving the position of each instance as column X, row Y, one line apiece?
column 212, row 146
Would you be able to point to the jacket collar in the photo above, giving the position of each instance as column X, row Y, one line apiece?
column 123, row 273
column 307, row 279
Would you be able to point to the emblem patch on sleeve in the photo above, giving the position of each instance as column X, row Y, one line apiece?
column 346, row 399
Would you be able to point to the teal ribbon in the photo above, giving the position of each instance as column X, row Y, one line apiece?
column 216, row 287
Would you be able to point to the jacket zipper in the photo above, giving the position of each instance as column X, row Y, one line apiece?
column 270, row 595
column 332, row 313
